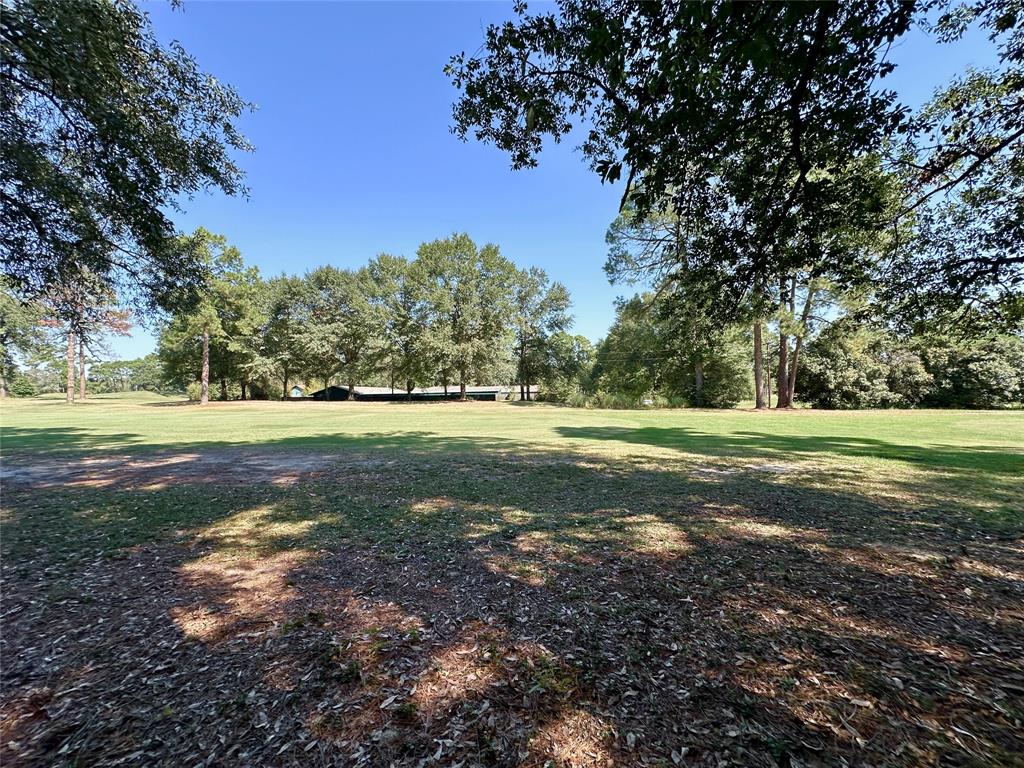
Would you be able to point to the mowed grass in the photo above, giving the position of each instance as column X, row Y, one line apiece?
column 974, row 459
column 510, row 584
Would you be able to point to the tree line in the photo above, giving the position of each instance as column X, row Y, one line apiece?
column 455, row 315
column 847, row 362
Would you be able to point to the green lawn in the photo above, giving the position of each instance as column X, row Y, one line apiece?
column 345, row 583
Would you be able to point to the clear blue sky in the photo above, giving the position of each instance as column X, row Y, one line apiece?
column 354, row 156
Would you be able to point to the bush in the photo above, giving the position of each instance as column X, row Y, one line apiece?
column 986, row 373
column 562, row 390
column 22, row 387
column 851, row 366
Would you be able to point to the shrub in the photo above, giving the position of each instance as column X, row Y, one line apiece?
column 22, row 387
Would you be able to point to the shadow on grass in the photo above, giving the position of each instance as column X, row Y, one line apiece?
column 428, row 602
column 28, row 443
column 997, row 460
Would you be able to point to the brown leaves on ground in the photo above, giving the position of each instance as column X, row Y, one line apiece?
column 581, row 616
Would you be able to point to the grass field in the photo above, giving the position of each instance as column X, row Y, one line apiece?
column 502, row 584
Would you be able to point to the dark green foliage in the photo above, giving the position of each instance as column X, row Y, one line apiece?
column 399, row 297
column 468, row 292
column 340, row 336
column 645, row 356
column 22, row 386
column 280, row 352
column 849, row 366
column 857, row 366
column 741, row 119
column 228, row 310
column 102, row 130
column 567, row 367
column 982, row 373
column 22, row 334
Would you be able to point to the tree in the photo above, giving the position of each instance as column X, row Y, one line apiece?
column 467, row 291
column 667, row 247
column 103, row 130
column 651, row 350
column 982, row 372
column 144, row 373
column 540, row 308
column 963, row 162
column 282, row 335
column 726, row 107
column 631, row 359
column 853, row 365
column 341, row 336
column 399, row 298
column 695, row 258
column 567, row 368
column 856, row 364
column 21, row 332
column 88, row 311
column 188, row 337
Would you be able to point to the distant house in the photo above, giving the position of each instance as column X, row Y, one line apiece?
column 297, row 391
column 491, row 392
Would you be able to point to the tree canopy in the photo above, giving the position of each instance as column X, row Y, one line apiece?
column 102, row 131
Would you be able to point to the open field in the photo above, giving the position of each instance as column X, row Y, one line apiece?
column 502, row 584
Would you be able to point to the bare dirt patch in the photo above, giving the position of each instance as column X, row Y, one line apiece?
column 157, row 469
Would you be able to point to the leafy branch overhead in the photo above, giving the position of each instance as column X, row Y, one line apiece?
column 750, row 116
column 103, row 131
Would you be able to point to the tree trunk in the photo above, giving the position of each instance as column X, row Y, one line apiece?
column 81, row 368
column 3, row 382
column 70, row 388
column 522, row 372
column 698, row 383
column 787, row 297
column 804, row 317
column 242, row 385
column 204, row 378
column 758, row 367
column 408, row 390
column 351, row 390
column 284, row 393
column 462, row 387
column 223, row 388
column 782, row 384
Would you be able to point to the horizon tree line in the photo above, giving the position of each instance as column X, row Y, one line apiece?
column 454, row 315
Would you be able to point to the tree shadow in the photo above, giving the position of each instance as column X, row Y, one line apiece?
column 509, row 608
column 36, row 441
column 993, row 459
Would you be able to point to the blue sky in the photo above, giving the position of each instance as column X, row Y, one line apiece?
column 354, row 156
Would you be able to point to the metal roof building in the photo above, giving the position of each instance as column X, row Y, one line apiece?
column 490, row 392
